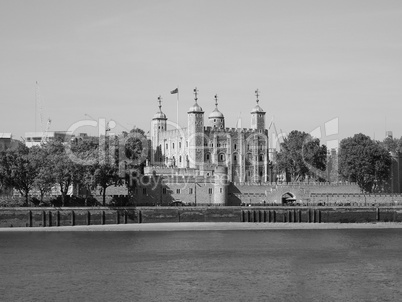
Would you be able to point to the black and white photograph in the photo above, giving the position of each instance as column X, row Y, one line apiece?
column 182, row 150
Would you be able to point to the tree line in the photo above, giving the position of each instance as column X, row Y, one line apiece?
column 360, row 159
column 91, row 163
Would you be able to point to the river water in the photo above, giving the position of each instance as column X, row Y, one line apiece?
column 266, row 265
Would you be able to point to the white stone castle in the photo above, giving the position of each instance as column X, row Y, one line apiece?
column 202, row 148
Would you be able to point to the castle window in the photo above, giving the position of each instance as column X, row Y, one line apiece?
column 172, row 145
column 186, row 143
column 180, row 145
column 162, row 127
column 221, row 157
column 144, row 191
column 210, row 191
column 235, row 147
column 260, row 157
column 159, row 127
column 190, row 191
column 177, row 191
column 180, row 158
column 167, row 146
column 163, row 190
column 234, row 157
column 220, row 190
column 214, row 120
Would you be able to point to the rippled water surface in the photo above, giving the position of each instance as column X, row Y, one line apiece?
column 273, row 265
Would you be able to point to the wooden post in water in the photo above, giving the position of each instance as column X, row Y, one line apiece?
column 125, row 216
column 88, row 218
column 377, row 214
column 72, row 218
column 58, row 218
column 30, row 218
column 43, row 218
column 50, row 219
column 102, row 217
column 139, row 217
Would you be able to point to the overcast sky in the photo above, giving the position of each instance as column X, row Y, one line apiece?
column 312, row 61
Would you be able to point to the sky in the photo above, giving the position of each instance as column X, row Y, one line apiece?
column 312, row 61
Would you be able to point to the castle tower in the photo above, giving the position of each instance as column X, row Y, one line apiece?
column 195, row 134
column 158, row 125
column 257, row 116
column 220, row 185
column 216, row 120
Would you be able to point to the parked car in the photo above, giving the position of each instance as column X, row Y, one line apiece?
column 177, row 203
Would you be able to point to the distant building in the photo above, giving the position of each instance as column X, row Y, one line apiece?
column 5, row 141
column 35, row 138
column 388, row 134
column 202, row 160
column 243, row 151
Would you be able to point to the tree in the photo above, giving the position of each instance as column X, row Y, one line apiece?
column 136, row 146
column 67, row 168
column 366, row 162
column 105, row 175
column 45, row 179
column 301, row 156
column 18, row 169
column 99, row 163
column 392, row 144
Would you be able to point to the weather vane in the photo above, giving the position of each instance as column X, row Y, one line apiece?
column 257, row 93
column 216, row 100
column 195, row 94
column 160, row 102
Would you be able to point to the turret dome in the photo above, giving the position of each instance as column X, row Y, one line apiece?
column 160, row 115
column 257, row 109
column 195, row 108
column 216, row 118
column 216, row 114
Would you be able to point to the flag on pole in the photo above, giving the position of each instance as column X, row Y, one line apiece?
column 174, row 91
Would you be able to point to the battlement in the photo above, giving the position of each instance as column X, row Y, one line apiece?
column 174, row 133
column 232, row 130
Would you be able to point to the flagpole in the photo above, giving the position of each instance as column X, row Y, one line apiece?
column 177, row 107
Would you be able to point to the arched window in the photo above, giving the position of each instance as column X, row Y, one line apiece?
column 235, row 146
column 221, row 157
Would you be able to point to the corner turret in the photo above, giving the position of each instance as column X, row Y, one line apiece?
column 257, row 115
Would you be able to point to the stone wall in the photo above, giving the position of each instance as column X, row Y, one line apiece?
column 52, row 217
